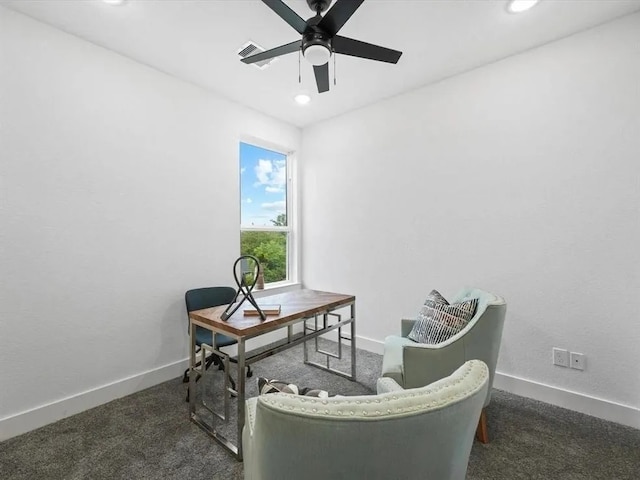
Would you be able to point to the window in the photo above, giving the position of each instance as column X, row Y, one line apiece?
column 265, row 206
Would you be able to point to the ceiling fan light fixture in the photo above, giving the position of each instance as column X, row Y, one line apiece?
column 317, row 54
column 114, row 2
column 320, row 39
column 518, row 6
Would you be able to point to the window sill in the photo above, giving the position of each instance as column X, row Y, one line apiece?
column 276, row 288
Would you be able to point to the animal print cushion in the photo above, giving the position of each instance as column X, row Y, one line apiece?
column 438, row 320
column 272, row 386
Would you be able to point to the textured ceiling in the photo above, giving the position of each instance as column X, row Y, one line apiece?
column 198, row 40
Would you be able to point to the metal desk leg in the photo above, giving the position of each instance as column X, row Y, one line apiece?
column 241, row 394
column 353, row 341
column 192, row 370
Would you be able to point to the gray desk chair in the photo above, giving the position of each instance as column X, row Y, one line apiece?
column 414, row 364
column 423, row 433
column 207, row 297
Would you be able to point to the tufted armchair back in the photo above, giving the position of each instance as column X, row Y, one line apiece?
column 421, row 433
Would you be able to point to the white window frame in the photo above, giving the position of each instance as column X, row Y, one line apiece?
column 293, row 245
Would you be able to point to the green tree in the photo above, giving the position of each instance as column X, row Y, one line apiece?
column 273, row 257
column 270, row 248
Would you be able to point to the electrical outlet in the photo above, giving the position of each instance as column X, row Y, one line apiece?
column 560, row 357
column 578, row 361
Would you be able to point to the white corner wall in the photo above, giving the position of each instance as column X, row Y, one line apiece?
column 521, row 178
column 118, row 192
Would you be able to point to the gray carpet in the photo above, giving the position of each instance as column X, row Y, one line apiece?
column 148, row 436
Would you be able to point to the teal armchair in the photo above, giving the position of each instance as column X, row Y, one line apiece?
column 423, row 433
column 413, row 364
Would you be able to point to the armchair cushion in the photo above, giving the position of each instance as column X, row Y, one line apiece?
column 392, row 361
column 438, row 320
column 386, row 385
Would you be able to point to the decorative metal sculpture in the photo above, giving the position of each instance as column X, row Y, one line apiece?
column 246, row 279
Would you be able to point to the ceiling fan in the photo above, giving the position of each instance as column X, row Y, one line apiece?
column 320, row 40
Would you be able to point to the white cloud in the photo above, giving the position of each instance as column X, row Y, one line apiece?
column 242, row 170
column 248, row 200
column 273, row 189
column 277, row 206
column 263, row 171
column 271, row 173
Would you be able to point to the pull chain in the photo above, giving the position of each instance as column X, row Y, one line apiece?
column 334, row 67
column 299, row 76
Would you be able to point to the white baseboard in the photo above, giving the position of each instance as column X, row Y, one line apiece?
column 370, row 345
column 37, row 417
column 28, row 420
column 40, row 416
column 579, row 402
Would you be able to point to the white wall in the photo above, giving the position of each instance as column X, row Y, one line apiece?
column 522, row 178
column 118, row 192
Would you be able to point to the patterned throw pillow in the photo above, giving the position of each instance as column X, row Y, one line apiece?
column 272, row 386
column 435, row 298
column 438, row 320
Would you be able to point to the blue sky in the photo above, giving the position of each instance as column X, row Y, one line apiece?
column 263, row 185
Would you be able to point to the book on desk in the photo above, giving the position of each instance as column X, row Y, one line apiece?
column 271, row 309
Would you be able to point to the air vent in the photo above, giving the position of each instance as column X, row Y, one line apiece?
column 250, row 48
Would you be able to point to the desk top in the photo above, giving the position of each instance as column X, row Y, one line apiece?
column 297, row 304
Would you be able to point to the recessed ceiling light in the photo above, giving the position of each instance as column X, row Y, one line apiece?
column 302, row 99
column 517, row 6
column 114, row 2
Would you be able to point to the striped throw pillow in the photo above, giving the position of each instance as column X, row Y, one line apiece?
column 438, row 320
column 273, row 386
column 435, row 298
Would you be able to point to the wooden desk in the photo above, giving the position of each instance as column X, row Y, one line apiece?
column 296, row 307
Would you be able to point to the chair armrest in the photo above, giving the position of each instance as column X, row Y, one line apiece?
column 406, row 324
column 443, row 359
column 386, row 385
column 250, row 414
column 249, row 440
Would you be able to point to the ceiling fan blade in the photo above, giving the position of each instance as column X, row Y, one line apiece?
column 338, row 15
column 322, row 77
column 274, row 52
column 356, row 48
column 288, row 15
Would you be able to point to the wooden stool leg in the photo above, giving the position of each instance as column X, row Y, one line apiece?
column 482, row 434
